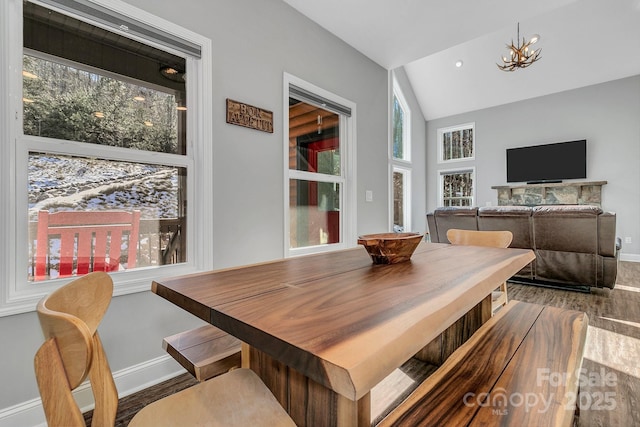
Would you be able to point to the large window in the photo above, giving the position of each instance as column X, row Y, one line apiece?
column 456, row 143
column 400, row 161
column 320, row 202
column 103, row 168
column 457, row 187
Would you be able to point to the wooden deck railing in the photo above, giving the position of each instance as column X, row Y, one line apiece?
column 160, row 242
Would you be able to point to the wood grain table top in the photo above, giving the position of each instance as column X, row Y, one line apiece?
column 336, row 317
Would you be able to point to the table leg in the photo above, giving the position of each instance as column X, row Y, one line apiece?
column 308, row 403
column 438, row 350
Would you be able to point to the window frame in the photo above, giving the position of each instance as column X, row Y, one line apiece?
column 17, row 295
column 443, row 172
column 404, row 165
column 440, row 137
column 406, row 128
column 346, row 179
column 406, row 197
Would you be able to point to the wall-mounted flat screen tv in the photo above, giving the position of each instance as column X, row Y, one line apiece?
column 547, row 162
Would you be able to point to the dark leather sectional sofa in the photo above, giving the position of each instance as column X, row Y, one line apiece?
column 575, row 245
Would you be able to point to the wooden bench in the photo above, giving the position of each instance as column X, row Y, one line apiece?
column 520, row 368
column 205, row 351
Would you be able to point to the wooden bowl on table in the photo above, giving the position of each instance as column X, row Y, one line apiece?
column 390, row 248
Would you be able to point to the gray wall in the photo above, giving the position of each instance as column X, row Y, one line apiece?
column 254, row 42
column 607, row 115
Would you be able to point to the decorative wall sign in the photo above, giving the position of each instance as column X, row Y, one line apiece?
column 249, row 116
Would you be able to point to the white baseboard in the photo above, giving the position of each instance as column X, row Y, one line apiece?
column 128, row 381
column 630, row 257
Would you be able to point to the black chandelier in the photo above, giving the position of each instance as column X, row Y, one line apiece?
column 521, row 55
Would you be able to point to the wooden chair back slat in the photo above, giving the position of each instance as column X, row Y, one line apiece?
column 488, row 238
column 59, row 405
column 495, row 239
column 69, row 318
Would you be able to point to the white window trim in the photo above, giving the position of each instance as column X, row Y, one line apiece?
column 400, row 165
column 442, row 131
column 348, row 199
column 443, row 172
column 16, row 294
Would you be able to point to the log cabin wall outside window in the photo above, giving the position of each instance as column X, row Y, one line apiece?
column 319, row 211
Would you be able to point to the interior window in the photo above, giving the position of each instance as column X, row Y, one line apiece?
column 314, row 147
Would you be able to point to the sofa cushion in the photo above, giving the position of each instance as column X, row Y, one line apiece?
column 517, row 220
column 512, row 218
column 464, row 218
column 566, row 228
column 566, row 267
column 573, row 211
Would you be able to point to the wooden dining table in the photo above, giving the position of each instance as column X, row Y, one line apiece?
column 322, row 330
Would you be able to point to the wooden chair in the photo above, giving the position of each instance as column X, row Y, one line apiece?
column 72, row 350
column 89, row 241
column 495, row 239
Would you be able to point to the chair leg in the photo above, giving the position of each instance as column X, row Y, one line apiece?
column 499, row 298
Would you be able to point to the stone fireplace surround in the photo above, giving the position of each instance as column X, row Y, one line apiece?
column 562, row 193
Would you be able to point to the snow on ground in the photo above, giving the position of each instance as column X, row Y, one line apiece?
column 75, row 183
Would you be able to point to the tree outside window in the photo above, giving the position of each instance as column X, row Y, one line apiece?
column 456, row 143
column 457, row 187
column 101, row 137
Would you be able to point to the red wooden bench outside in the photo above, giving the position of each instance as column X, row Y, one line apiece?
column 91, row 240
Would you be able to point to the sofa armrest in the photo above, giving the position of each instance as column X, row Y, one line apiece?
column 433, row 230
column 608, row 243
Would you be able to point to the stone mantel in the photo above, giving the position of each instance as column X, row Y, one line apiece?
column 557, row 193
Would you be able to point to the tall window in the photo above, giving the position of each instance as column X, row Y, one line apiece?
column 401, row 197
column 400, row 161
column 103, row 168
column 457, row 187
column 319, row 210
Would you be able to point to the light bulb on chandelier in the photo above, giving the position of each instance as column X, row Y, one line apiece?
column 521, row 55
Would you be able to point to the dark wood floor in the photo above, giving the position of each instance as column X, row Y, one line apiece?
column 610, row 392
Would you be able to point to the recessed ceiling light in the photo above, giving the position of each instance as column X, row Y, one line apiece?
column 459, row 63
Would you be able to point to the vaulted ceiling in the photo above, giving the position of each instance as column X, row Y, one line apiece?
column 583, row 42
